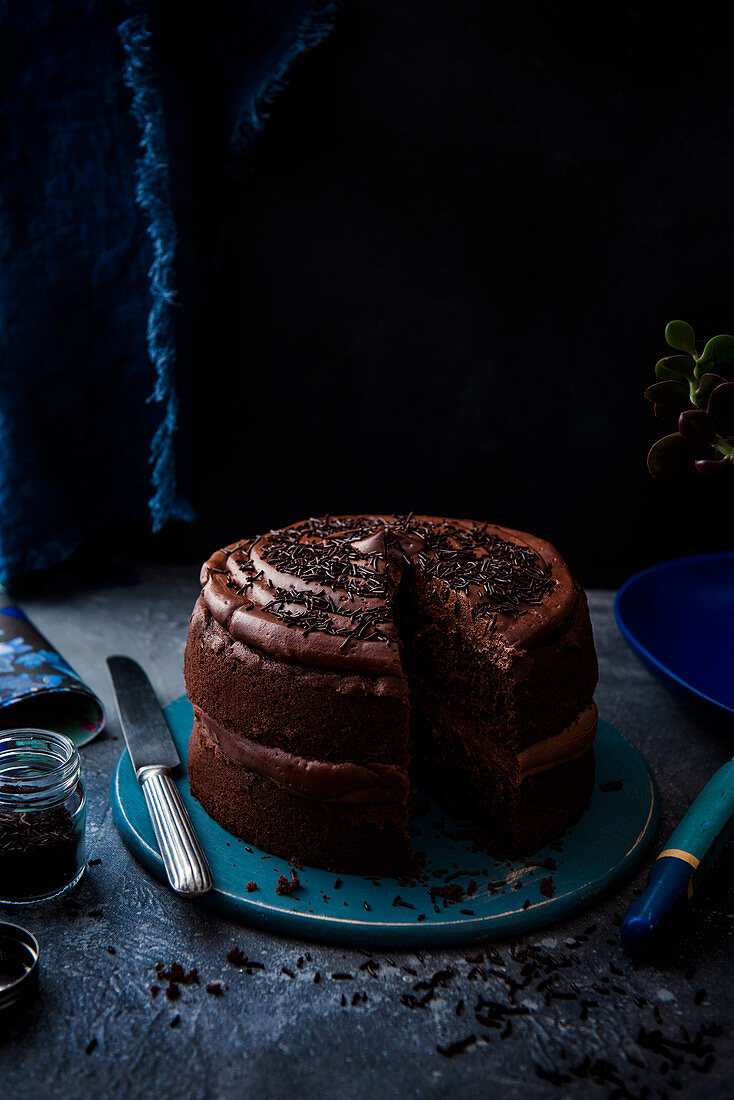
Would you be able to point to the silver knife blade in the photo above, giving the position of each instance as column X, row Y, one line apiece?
column 146, row 731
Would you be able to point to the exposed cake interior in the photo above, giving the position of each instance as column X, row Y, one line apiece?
column 325, row 658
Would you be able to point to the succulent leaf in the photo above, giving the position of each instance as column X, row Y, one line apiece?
column 674, row 367
column 668, row 393
column 721, row 408
column 669, row 398
column 713, row 465
column 696, row 426
column 706, row 383
column 680, row 335
column 719, row 349
column 669, row 455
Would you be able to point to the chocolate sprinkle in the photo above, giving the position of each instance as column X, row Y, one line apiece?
column 235, row 957
column 457, row 1047
column 39, row 851
column 499, row 576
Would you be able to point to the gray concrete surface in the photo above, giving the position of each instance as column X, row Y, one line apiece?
column 590, row 1022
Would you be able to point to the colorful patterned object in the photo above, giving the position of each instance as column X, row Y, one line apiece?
column 38, row 688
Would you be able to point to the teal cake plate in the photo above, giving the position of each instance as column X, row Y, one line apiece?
column 506, row 899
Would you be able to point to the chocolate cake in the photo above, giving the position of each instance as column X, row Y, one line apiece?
column 328, row 661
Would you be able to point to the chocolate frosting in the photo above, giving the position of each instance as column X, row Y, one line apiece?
column 321, row 591
column 569, row 744
column 319, row 780
column 350, row 784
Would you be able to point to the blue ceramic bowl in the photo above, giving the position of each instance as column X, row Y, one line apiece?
column 678, row 618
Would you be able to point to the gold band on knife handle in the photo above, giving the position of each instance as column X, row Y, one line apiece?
column 678, row 853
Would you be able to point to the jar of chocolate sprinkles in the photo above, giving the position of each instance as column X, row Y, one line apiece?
column 42, row 815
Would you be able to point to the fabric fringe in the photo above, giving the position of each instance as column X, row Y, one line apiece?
column 315, row 28
column 153, row 194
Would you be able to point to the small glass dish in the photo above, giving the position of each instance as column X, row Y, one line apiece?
column 42, row 816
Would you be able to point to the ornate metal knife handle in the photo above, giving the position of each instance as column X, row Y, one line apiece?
column 186, row 865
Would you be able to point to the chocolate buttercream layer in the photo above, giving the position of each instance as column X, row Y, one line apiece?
column 350, row 784
column 321, row 591
column 320, row 781
column 570, row 744
column 359, row 839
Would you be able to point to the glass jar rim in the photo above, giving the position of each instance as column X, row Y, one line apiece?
column 58, row 760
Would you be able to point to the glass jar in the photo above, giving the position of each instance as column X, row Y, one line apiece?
column 42, row 815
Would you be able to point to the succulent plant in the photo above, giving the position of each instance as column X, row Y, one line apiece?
column 690, row 392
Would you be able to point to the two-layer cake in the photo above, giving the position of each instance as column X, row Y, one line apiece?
column 329, row 661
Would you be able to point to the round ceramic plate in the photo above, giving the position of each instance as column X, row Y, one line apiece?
column 498, row 899
column 677, row 618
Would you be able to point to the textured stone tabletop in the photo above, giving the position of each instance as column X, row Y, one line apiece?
column 561, row 1013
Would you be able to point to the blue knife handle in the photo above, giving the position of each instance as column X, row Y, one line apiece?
column 687, row 857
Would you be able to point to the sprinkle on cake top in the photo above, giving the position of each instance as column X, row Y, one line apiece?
column 334, row 579
column 502, row 575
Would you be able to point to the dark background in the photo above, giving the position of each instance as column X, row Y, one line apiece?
column 466, row 229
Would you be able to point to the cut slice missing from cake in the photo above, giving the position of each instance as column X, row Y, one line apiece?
column 327, row 659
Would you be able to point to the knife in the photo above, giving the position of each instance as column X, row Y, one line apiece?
column 684, row 862
column 154, row 757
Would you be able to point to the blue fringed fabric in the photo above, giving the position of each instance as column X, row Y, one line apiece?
column 153, row 194
column 103, row 239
